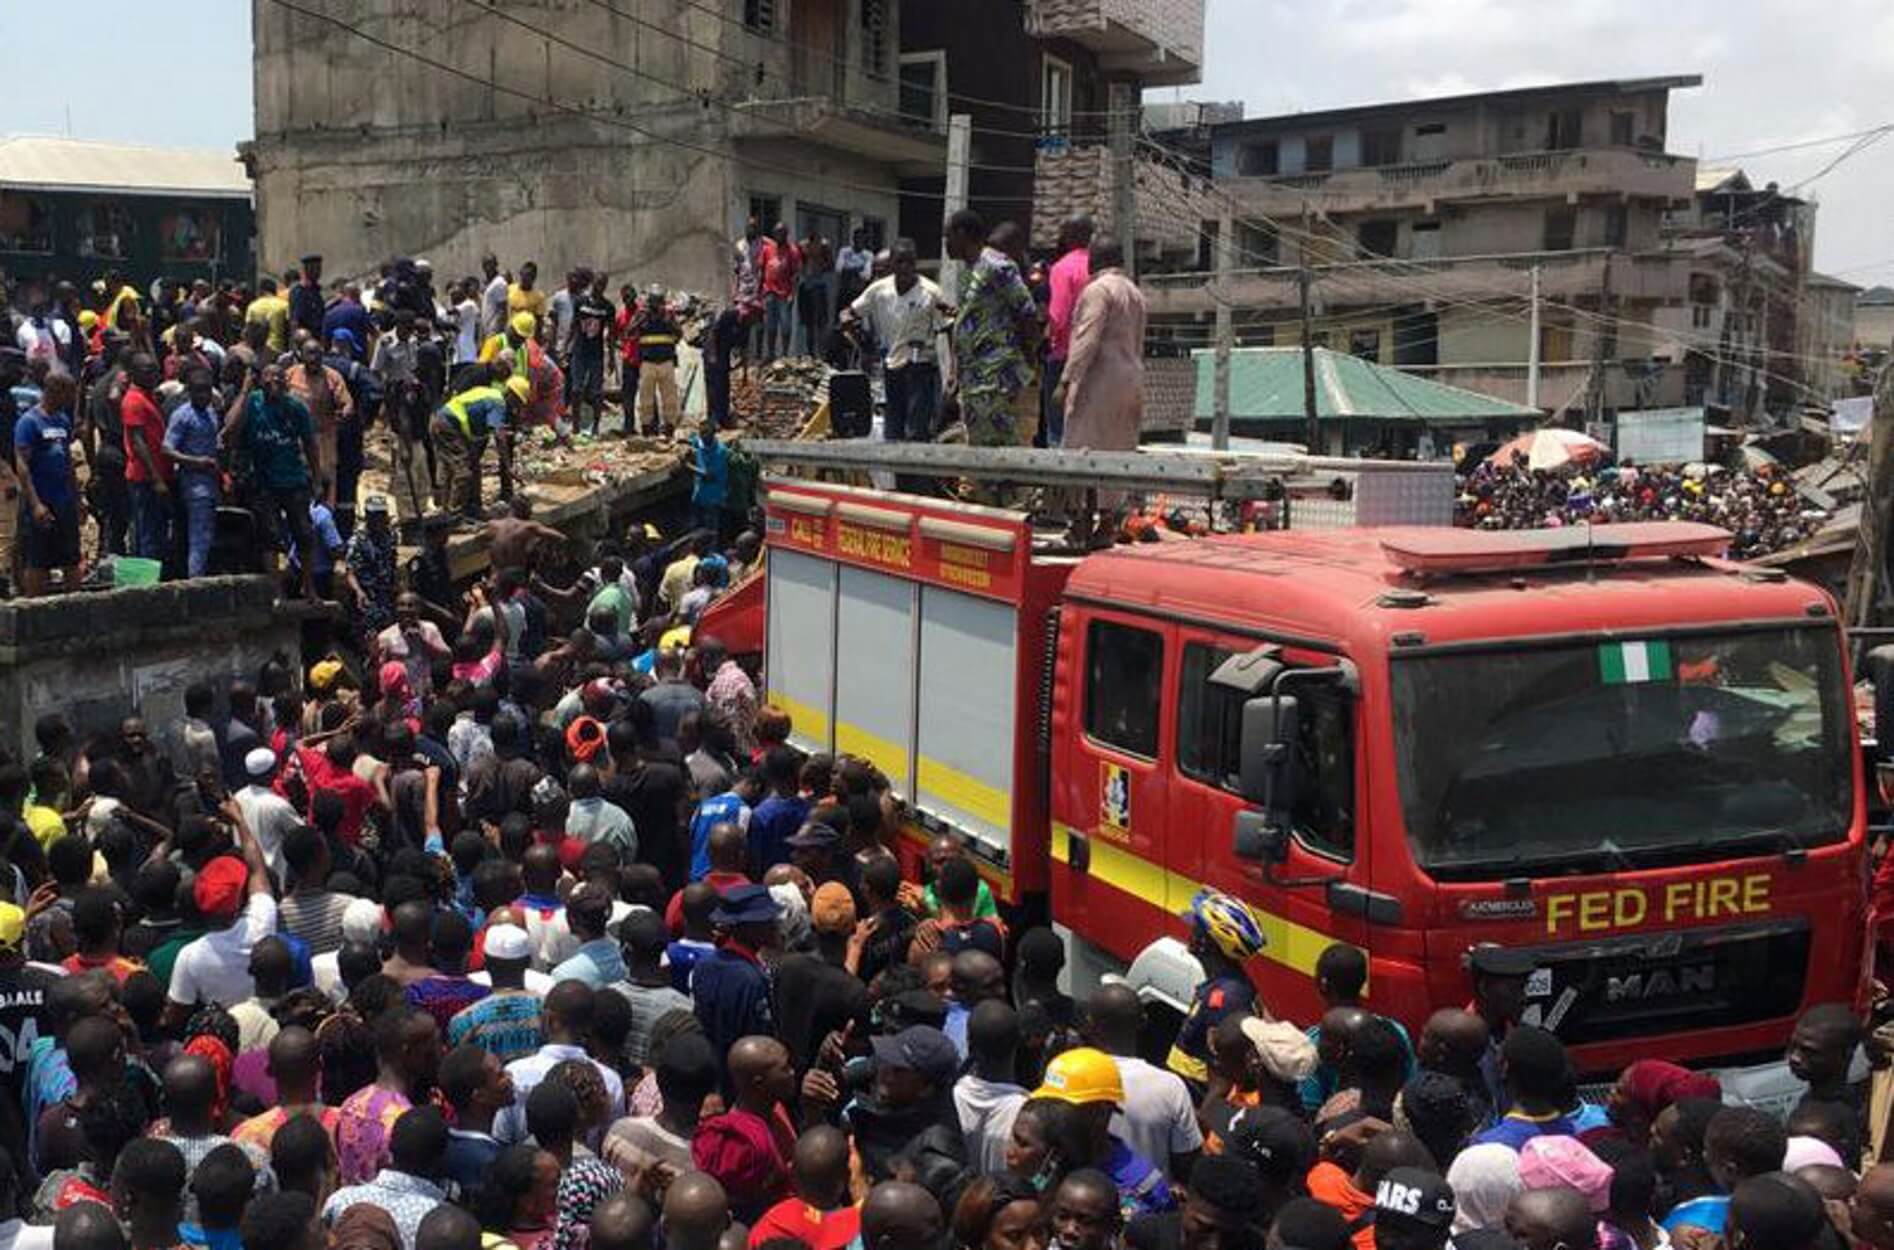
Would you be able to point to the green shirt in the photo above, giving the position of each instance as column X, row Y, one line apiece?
column 613, row 596
column 983, row 905
column 274, row 435
column 164, row 956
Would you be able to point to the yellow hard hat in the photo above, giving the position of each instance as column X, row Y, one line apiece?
column 88, row 319
column 1083, row 1077
column 523, row 324
column 519, row 388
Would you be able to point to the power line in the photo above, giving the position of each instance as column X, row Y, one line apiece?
column 494, row 9
column 758, row 67
column 1823, row 142
column 609, row 119
column 829, row 57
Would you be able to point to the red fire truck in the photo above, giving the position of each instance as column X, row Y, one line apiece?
column 1609, row 747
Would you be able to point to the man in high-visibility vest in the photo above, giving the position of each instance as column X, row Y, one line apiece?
column 461, row 427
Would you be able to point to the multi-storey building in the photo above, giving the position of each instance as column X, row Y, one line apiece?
column 1048, row 86
column 632, row 135
column 1422, row 223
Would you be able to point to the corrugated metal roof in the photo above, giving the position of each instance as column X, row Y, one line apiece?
column 1712, row 178
column 36, row 163
column 1266, row 385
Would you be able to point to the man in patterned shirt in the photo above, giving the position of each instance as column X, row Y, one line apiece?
column 508, row 1022
column 410, row 1185
column 408, row 1050
column 554, row 1120
column 994, row 329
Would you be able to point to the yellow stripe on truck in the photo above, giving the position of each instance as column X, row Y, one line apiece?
column 883, row 753
column 966, row 792
column 1294, row 946
column 805, row 719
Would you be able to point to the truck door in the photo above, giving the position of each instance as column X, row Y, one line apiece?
column 1109, row 880
column 1205, row 798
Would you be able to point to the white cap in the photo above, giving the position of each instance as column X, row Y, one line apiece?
column 361, row 920
column 508, row 941
column 259, row 762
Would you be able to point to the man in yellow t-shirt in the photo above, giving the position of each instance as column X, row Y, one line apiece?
column 525, row 295
column 273, row 311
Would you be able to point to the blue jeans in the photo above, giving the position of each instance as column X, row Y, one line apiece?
column 151, row 522
column 199, row 492
column 1051, row 413
column 779, row 325
column 913, row 395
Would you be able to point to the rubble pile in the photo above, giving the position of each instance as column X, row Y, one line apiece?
column 776, row 400
column 539, row 459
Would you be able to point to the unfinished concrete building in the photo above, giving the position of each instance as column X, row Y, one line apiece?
column 630, row 135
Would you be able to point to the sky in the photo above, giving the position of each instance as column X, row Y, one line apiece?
column 1775, row 72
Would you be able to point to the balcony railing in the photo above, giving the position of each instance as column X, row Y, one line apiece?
column 1160, row 40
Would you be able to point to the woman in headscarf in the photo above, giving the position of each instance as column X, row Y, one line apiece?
column 1484, row 1180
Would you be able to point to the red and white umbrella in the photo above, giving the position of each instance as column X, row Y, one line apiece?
column 1550, row 448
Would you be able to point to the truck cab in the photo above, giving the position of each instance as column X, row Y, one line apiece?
column 1609, row 748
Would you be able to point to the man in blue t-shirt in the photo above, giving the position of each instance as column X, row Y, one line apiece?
column 778, row 816
column 49, row 494
column 1538, row 1079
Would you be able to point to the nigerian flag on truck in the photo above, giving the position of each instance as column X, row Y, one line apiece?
column 1622, row 663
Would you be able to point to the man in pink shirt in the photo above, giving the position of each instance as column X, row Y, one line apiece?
column 782, row 265
column 1067, row 279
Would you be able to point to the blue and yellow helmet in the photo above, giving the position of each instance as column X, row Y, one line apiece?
column 1228, row 922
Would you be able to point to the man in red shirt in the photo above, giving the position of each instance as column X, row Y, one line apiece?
column 331, row 769
column 147, row 470
column 782, row 264
column 819, row 1214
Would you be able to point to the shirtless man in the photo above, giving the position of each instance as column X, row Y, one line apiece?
column 515, row 539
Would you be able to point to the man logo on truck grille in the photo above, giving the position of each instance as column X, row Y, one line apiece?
column 1663, row 983
column 1114, row 800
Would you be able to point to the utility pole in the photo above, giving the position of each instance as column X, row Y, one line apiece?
column 1314, row 434
column 1532, row 347
column 1220, row 412
column 959, row 158
column 1595, row 390
column 1124, row 129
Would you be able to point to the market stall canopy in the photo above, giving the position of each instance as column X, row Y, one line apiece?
column 1550, row 449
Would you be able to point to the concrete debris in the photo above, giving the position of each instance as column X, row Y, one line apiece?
column 777, row 400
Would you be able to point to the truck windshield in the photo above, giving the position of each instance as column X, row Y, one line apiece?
column 1606, row 755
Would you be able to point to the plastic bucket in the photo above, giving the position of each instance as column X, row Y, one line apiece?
column 131, row 571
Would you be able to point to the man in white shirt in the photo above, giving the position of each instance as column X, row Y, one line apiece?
column 269, row 815
column 466, row 324
column 901, row 313
column 233, row 898
column 1158, row 1119
column 567, row 1022
column 493, row 300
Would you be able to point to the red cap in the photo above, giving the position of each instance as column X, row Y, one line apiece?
column 220, row 885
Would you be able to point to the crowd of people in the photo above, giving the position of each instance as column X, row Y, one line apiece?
column 151, row 411
column 1760, row 507
column 529, row 944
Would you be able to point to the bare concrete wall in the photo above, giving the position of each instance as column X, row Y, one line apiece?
column 97, row 657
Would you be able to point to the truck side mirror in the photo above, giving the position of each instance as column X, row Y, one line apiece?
column 1260, row 838
column 1271, row 726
